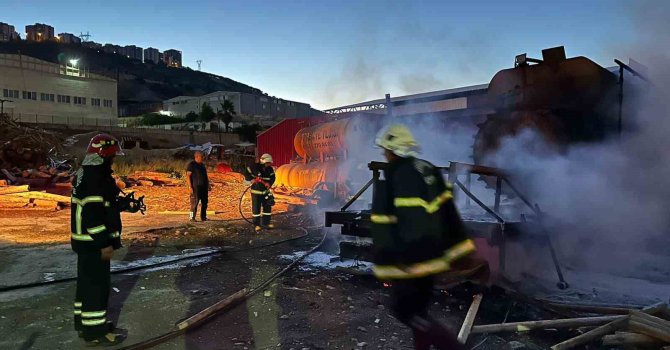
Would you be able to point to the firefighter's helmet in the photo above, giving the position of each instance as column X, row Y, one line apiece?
column 105, row 146
column 266, row 158
column 399, row 140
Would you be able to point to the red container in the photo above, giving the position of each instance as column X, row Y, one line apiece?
column 278, row 140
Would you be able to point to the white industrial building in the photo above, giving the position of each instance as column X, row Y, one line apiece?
column 38, row 91
column 249, row 105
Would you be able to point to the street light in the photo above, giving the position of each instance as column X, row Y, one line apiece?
column 74, row 61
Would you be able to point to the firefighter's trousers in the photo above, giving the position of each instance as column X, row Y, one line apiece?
column 410, row 300
column 199, row 195
column 261, row 210
column 92, row 295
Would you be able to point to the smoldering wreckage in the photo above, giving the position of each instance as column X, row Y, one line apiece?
column 510, row 150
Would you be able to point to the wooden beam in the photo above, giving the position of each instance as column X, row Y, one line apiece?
column 43, row 196
column 627, row 338
column 592, row 334
column 14, row 189
column 206, row 313
column 560, row 323
column 650, row 325
column 464, row 333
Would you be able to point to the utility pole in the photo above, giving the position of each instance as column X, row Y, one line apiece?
column 199, row 62
column 2, row 106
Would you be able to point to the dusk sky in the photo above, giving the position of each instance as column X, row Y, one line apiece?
column 332, row 53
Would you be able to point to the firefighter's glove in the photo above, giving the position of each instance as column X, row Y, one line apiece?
column 270, row 199
column 131, row 204
column 106, row 253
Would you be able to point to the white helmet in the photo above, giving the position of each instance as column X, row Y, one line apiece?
column 399, row 140
column 266, row 158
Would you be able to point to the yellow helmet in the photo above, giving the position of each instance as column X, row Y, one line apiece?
column 399, row 140
column 266, row 158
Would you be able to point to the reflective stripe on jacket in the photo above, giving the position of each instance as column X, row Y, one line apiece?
column 95, row 218
column 264, row 173
column 416, row 228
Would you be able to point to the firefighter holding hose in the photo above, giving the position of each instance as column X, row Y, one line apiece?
column 96, row 231
column 260, row 176
column 417, row 234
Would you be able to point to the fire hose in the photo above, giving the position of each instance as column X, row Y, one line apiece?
column 224, row 305
column 269, row 197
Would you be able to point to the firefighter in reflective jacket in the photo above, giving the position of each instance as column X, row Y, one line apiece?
column 417, row 233
column 96, row 229
column 261, row 177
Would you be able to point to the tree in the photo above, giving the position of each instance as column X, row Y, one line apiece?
column 227, row 113
column 248, row 132
column 206, row 114
column 191, row 117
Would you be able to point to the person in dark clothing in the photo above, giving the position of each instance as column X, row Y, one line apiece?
column 417, row 233
column 261, row 177
column 198, row 184
column 96, row 233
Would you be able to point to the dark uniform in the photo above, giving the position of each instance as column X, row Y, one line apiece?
column 262, row 177
column 95, row 224
column 200, row 187
column 417, row 233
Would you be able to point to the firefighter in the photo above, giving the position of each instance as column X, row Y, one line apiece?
column 261, row 177
column 96, row 232
column 417, row 233
column 198, row 184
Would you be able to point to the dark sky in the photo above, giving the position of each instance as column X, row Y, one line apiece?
column 330, row 53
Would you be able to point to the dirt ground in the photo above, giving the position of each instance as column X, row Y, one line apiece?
column 167, row 206
column 324, row 303
column 289, row 314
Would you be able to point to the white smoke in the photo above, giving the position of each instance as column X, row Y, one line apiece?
column 612, row 198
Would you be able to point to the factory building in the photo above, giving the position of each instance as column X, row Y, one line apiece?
column 40, row 91
column 245, row 105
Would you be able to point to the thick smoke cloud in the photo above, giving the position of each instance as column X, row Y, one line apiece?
column 612, row 198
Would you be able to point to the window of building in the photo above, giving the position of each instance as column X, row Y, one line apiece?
column 95, row 102
column 63, row 99
column 5, row 92
column 79, row 100
column 107, row 103
column 46, row 97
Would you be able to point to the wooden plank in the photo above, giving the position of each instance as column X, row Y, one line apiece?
column 464, row 333
column 14, row 189
column 627, row 338
column 592, row 334
column 650, row 325
column 560, row 323
column 650, row 330
column 43, row 196
column 595, row 309
column 204, row 314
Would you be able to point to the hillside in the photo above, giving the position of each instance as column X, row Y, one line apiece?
column 138, row 82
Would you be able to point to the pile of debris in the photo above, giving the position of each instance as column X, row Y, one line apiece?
column 150, row 178
column 610, row 326
column 25, row 147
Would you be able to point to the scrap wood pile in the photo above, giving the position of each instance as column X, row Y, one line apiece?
column 646, row 327
column 24, row 146
column 25, row 177
column 150, row 178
